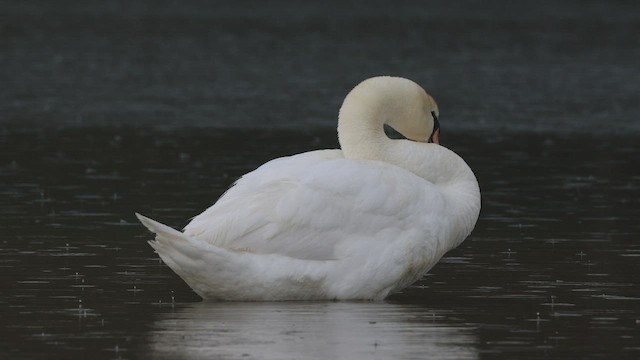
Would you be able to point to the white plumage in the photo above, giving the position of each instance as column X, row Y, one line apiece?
column 356, row 223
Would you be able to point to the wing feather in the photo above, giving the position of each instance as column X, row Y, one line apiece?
column 314, row 205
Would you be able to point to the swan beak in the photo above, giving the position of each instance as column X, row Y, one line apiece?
column 435, row 138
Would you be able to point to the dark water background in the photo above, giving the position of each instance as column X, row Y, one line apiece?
column 107, row 108
column 519, row 65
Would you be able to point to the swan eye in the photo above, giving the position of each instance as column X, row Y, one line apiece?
column 436, row 125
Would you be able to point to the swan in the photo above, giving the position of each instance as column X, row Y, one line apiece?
column 359, row 223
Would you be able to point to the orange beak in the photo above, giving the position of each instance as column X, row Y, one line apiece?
column 435, row 138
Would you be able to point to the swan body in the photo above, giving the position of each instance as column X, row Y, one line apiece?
column 357, row 223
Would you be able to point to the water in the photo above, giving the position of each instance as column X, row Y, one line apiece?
column 550, row 271
column 517, row 65
column 108, row 108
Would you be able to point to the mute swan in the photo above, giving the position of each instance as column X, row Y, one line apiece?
column 357, row 223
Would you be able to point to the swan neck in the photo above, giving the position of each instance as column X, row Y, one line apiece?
column 361, row 128
column 367, row 144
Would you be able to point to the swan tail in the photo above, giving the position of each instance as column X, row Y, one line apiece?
column 217, row 273
column 171, row 242
column 180, row 252
column 163, row 232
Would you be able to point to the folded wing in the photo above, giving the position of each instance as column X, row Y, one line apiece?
column 320, row 206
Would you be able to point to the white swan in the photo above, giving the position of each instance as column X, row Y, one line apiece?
column 357, row 223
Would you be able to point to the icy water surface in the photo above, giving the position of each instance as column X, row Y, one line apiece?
column 549, row 272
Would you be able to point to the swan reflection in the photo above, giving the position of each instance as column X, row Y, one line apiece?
column 291, row 330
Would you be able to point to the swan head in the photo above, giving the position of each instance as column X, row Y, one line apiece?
column 394, row 101
column 416, row 115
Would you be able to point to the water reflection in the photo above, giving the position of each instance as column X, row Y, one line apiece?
column 309, row 331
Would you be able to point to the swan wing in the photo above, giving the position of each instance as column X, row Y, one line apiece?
column 321, row 206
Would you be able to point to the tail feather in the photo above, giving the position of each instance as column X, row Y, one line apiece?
column 207, row 268
column 217, row 273
column 162, row 231
column 176, row 249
